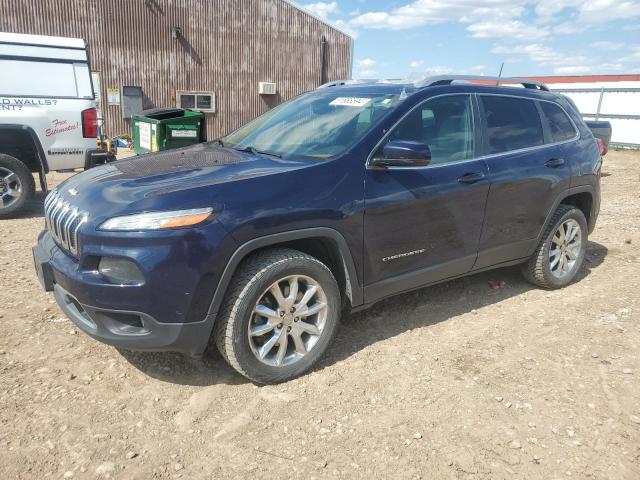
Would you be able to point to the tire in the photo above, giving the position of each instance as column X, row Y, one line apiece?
column 253, row 284
column 540, row 269
column 16, row 186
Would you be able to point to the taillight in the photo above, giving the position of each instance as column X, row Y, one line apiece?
column 90, row 123
column 601, row 146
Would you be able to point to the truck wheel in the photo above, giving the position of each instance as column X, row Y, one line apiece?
column 16, row 186
column 279, row 315
column 560, row 254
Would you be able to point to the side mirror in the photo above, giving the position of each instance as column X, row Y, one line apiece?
column 403, row 153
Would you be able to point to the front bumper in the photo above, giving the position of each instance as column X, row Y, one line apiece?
column 83, row 300
column 134, row 330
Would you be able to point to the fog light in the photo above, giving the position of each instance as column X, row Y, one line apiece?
column 120, row 271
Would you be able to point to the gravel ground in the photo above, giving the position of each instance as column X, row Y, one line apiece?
column 479, row 378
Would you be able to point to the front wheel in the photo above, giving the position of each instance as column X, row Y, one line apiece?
column 560, row 254
column 279, row 316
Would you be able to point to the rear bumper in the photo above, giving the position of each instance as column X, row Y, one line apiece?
column 95, row 310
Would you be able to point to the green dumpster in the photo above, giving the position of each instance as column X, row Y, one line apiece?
column 166, row 128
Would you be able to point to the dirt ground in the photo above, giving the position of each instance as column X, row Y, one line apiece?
column 457, row 381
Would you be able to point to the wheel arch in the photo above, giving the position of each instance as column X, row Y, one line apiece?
column 581, row 197
column 14, row 138
column 582, row 200
column 326, row 244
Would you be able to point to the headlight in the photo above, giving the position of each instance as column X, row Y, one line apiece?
column 157, row 220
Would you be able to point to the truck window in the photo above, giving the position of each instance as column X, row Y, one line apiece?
column 48, row 79
column 512, row 123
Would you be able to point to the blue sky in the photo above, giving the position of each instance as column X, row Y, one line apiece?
column 401, row 38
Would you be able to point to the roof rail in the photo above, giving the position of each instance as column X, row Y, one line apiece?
column 449, row 79
column 359, row 81
column 337, row 83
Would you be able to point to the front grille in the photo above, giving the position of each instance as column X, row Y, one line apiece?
column 63, row 221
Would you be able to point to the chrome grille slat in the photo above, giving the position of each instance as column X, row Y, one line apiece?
column 73, row 213
column 63, row 221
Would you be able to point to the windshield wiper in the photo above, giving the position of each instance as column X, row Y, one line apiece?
column 255, row 151
column 220, row 142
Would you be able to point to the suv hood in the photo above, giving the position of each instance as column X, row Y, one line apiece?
column 169, row 180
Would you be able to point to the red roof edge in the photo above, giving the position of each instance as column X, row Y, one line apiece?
column 587, row 78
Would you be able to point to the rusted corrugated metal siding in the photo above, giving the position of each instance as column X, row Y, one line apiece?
column 226, row 46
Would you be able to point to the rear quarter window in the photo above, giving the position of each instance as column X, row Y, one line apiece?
column 559, row 125
column 512, row 123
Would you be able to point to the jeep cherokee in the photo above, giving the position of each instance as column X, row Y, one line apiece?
column 345, row 195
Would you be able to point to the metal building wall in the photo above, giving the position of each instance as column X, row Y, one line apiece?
column 226, row 46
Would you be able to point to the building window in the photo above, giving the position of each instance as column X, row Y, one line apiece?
column 200, row 101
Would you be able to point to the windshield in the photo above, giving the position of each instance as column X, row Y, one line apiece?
column 320, row 124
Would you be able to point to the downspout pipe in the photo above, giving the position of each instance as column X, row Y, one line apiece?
column 323, row 66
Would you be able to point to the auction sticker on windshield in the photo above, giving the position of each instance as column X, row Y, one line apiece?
column 350, row 102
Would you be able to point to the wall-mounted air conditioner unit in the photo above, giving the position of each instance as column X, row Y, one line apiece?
column 266, row 88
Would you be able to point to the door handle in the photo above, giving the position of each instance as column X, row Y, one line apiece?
column 554, row 163
column 469, row 178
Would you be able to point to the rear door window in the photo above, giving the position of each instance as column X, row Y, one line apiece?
column 559, row 125
column 512, row 123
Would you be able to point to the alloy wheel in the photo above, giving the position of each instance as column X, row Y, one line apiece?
column 565, row 248
column 10, row 187
column 287, row 320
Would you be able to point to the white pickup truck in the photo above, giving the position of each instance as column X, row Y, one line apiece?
column 48, row 117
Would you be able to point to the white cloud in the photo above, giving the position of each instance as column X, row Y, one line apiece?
column 523, row 28
column 366, row 68
column 502, row 18
column 633, row 56
column 478, row 69
column 604, row 45
column 366, row 63
column 602, row 68
column 430, row 12
column 429, row 72
column 569, row 64
column 345, row 27
column 573, row 70
column 513, row 29
column 439, row 70
column 589, row 11
column 600, row 11
column 325, row 10
column 322, row 9
column 569, row 28
column 541, row 54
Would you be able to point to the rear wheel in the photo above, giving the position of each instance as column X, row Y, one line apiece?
column 279, row 316
column 560, row 254
column 16, row 186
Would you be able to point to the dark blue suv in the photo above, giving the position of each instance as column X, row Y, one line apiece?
column 351, row 193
